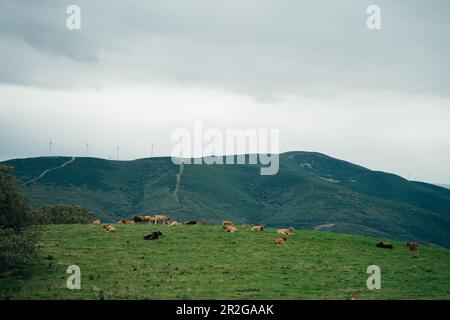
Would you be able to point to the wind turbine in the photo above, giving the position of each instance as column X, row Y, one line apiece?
column 87, row 147
column 50, row 145
column 117, row 156
column 151, row 153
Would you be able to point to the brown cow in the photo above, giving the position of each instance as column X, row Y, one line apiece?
column 149, row 219
column 160, row 217
column 143, row 219
column 384, row 245
column 286, row 232
column 228, row 228
column 96, row 222
column 138, row 219
column 257, row 228
column 109, row 228
column 281, row 241
column 227, row 223
column 413, row 246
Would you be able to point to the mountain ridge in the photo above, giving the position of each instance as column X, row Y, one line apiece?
column 311, row 190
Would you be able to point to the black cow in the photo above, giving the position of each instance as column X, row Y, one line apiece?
column 153, row 235
column 384, row 245
column 195, row 222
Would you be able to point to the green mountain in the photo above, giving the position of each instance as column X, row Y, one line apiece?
column 310, row 191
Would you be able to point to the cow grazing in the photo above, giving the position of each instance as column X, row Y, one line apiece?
column 138, row 219
column 412, row 246
column 96, row 222
column 227, row 223
column 384, row 245
column 281, row 241
column 153, row 235
column 228, row 228
column 149, row 219
column 285, row 232
column 144, row 219
column 159, row 217
column 109, row 228
column 257, row 228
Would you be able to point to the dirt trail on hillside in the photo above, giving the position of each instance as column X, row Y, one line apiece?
column 48, row 170
column 177, row 187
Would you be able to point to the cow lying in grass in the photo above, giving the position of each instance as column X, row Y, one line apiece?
column 125, row 221
column 257, row 228
column 96, row 222
column 281, row 241
column 109, row 228
column 384, row 245
column 191, row 222
column 153, row 235
column 228, row 228
column 285, row 232
column 227, row 223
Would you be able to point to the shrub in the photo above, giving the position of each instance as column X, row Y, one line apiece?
column 64, row 214
column 19, row 234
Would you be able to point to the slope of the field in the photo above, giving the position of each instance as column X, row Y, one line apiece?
column 310, row 191
column 202, row 262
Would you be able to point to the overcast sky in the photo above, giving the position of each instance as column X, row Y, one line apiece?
column 138, row 70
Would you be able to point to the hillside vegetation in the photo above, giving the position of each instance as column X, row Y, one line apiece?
column 310, row 191
column 202, row 262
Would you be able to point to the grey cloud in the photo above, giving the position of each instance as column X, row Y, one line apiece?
column 258, row 48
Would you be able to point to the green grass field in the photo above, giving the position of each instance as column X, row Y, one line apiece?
column 202, row 262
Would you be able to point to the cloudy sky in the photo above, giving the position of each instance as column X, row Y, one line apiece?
column 138, row 70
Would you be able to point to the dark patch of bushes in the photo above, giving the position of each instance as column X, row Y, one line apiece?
column 64, row 214
column 19, row 232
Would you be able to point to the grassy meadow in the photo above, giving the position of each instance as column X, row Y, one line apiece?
column 202, row 262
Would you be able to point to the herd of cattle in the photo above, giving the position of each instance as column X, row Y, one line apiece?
column 227, row 226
